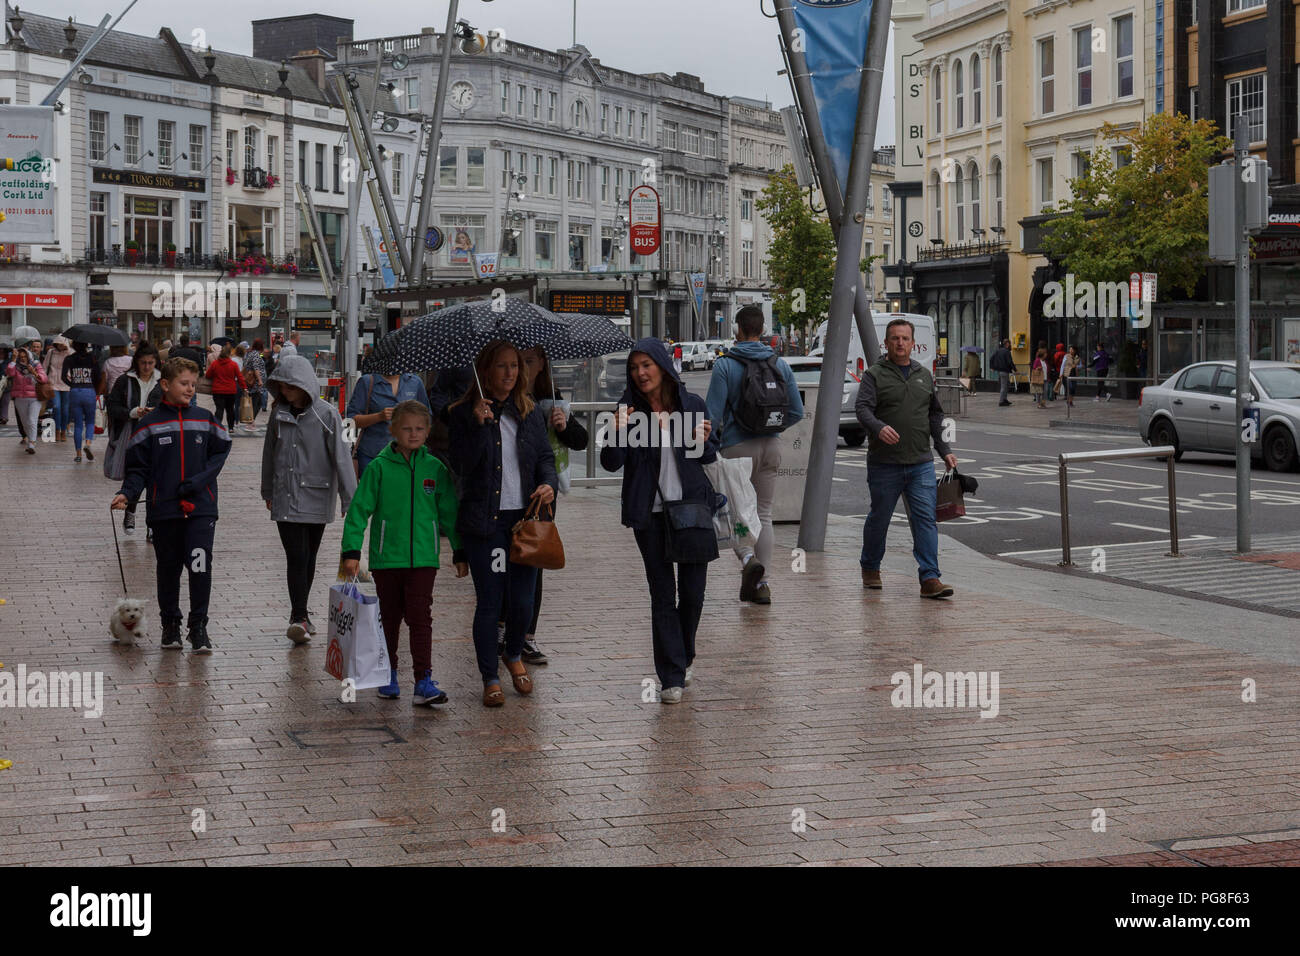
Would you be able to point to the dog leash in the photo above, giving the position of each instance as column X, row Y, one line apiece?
column 118, row 548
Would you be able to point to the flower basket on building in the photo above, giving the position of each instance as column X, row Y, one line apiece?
column 132, row 252
column 230, row 176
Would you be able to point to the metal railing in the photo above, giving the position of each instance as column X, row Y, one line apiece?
column 1158, row 451
column 591, row 479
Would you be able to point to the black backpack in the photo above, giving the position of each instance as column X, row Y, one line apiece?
column 763, row 404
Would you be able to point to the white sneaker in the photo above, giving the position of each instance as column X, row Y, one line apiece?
column 689, row 676
column 1108, row 398
column 298, row 632
column 670, row 695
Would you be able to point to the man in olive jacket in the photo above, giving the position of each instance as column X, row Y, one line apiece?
column 900, row 411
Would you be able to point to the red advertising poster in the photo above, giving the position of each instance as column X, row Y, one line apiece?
column 643, row 220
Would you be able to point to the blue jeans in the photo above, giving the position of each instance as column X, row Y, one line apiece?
column 917, row 484
column 498, row 581
column 82, row 401
column 59, row 407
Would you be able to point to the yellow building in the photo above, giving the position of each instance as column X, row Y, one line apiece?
column 1015, row 92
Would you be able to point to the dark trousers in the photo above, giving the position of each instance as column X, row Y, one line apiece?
column 407, row 593
column 676, row 602
column 301, row 543
column 537, row 606
column 227, row 405
column 498, row 583
column 180, row 544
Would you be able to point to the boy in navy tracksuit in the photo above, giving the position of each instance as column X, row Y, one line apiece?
column 176, row 453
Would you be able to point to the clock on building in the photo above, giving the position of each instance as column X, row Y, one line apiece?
column 461, row 95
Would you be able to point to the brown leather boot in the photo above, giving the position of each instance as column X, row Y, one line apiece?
column 871, row 579
column 934, row 588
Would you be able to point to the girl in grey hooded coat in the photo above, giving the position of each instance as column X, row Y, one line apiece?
column 306, row 462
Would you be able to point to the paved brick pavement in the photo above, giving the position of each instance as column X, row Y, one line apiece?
column 786, row 750
column 1117, row 416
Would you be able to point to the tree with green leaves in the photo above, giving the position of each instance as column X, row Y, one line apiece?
column 801, row 256
column 1151, row 215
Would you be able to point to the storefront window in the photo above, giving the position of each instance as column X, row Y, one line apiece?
column 544, row 237
column 464, row 239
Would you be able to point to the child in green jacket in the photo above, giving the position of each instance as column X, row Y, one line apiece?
column 412, row 499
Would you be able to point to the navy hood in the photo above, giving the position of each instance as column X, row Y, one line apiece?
column 658, row 351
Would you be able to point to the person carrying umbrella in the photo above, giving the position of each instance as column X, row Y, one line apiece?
column 500, row 450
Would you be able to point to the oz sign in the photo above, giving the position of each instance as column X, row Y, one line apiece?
column 643, row 220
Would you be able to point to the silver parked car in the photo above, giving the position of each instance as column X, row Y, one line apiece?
column 808, row 371
column 1196, row 410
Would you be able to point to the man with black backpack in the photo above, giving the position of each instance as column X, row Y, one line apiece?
column 752, row 398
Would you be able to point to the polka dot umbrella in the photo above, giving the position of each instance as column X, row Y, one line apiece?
column 453, row 337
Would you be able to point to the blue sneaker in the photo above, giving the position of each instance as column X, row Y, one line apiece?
column 391, row 690
column 427, row 691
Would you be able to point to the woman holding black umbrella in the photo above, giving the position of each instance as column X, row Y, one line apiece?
column 82, row 374
column 659, row 474
column 500, row 451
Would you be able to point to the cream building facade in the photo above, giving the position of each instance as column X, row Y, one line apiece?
column 1015, row 93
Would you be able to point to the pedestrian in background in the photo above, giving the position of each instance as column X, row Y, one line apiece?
column 898, row 407
column 6, row 356
column 83, row 377
column 1101, row 367
column 24, row 375
column 565, row 434
column 1005, row 366
column 255, row 377
column 60, row 406
column 405, row 541
column 163, row 352
column 118, row 363
column 655, row 472
column 1038, row 377
column 371, row 409
column 1058, row 387
column 306, row 464
column 500, row 452
column 227, row 385
column 127, row 404
column 1069, row 370
column 724, row 401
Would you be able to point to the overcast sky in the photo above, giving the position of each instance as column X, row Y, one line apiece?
column 728, row 43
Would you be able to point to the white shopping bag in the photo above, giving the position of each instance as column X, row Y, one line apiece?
column 357, row 648
column 730, row 477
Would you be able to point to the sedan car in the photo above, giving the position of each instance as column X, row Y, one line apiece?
column 808, row 371
column 1196, row 410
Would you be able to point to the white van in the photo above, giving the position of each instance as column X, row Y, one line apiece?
column 924, row 349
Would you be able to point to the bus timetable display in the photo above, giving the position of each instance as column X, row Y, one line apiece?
column 592, row 303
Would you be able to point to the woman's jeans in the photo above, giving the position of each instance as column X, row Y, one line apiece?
column 498, row 581
column 676, row 602
column 917, row 484
column 59, row 406
column 82, row 401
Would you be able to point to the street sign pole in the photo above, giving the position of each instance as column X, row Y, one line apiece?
column 1244, row 397
column 846, row 287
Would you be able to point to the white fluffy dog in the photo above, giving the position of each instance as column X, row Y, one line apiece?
column 128, row 622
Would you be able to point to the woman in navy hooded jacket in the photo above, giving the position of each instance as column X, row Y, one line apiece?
column 500, row 451
column 649, row 477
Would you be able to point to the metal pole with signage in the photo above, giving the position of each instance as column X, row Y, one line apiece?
column 417, row 256
column 1241, row 233
column 832, row 196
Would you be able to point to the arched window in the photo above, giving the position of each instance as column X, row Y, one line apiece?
column 997, row 82
column 973, row 174
column 578, row 114
column 958, row 97
column 936, row 83
column 959, row 205
column 995, row 173
column 976, row 91
column 936, row 190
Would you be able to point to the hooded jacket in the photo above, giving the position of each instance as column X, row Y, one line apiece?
column 24, row 384
column 641, row 465
column 54, row 359
column 476, row 455
column 306, row 460
column 176, row 454
column 129, row 393
column 409, row 504
column 725, row 386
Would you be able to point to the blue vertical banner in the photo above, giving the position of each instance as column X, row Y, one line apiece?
column 834, row 38
column 697, row 290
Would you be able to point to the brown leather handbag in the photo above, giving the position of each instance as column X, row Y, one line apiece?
column 535, row 541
